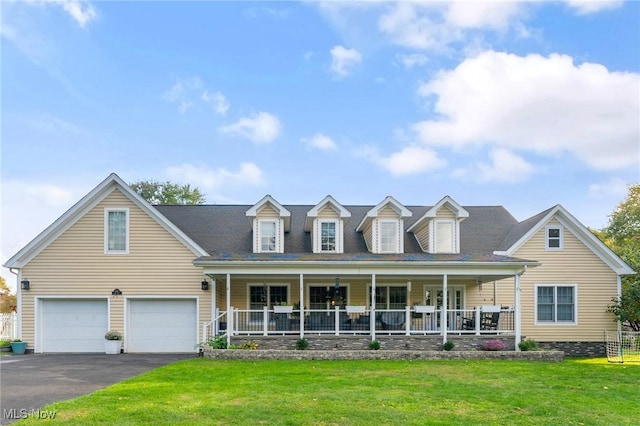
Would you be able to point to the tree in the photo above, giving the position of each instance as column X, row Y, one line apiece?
column 8, row 299
column 167, row 193
column 627, row 307
column 622, row 235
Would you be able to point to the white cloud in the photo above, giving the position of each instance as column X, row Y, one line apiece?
column 496, row 15
column 81, row 11
column 28, row 207
column 260, row 128
column 412, row 60
column 182, row 91
column 410, row 160
column 505, row 167
column 220, row 103
column 207, row 179
column 613, row 187
column 546, row 105
column 320, row 141
column 584, row 7
column 413, row 25
column 343, row 60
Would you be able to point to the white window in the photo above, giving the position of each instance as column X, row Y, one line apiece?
column 444, row 237
column 116, row 231
column 268, row 236
column 553, row 237
column 328, row 236
column 388, row 237
column 556, row 304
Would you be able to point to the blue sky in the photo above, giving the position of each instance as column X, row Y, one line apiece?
column 521, row 104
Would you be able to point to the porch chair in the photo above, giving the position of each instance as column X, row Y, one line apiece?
column 392, row 320
column 490, row 321
column 468, row 323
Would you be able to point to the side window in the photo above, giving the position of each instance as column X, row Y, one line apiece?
column 553, row 237
column 556, row 304
column 116, row 231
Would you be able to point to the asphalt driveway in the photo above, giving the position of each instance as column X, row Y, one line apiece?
column 28, row 382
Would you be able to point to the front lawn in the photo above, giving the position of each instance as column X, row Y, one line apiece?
column 202, row 391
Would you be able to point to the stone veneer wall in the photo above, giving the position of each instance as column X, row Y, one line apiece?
column 279, row 354
column 398, row 343
column 578, row 349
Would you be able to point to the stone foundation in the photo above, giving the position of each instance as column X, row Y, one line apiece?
column 577, row 349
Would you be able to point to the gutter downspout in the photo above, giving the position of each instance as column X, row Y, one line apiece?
column 619, row 291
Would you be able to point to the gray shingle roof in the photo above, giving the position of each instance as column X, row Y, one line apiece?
column 225, row 228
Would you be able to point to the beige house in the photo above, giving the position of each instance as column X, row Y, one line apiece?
column 169, row 277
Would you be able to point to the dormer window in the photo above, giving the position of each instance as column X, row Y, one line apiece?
column 389, row 236
column 269, row 221
column 328, row 236
column 383, row 227
column 444, row 237
column 325, row 224
column 438, row 230
column 267, row 236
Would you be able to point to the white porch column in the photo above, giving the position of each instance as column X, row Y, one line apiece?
column 372, row 315
column 301, row 306
column 443, row 320
column 229, row 313
column 517, row 314
column 214, row 308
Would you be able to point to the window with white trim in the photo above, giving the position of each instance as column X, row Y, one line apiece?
column 328, row 236
column 391, row 297
column 388, row 236
column 553, row 237
column 268, row 235
column 556, row 304
column 444, row 236
column 116, row 231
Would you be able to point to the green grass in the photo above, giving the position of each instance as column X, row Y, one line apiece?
column 202, row 391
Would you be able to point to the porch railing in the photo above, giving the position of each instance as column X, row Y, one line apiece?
column 338, row 321
column 8, row 326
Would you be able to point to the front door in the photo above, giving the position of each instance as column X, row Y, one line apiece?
column 455, row 301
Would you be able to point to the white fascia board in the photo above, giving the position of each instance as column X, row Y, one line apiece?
column 86, row 203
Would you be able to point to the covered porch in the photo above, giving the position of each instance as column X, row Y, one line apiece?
column 428, row 300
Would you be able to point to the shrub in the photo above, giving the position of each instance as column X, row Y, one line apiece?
column 493, row 345
column 5, row 342
column 374, row 345
column 302, row 344
column 528, row 345
column 249, row 345
column 448, row 345
column 219, row 342
column 113, row 335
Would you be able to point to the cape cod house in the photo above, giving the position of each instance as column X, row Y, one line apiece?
column 414, row 277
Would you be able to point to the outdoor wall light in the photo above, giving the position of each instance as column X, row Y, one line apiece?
column 116, row 292
column 25, row 284
column 205, row 285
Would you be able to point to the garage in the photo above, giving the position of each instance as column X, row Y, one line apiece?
column 73, row 325
column 162, row 325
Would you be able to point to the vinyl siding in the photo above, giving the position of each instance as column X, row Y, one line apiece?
column 576, row 264
column 75, row 265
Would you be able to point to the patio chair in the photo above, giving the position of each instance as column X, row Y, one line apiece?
column 392, row 320
column 468, row 323
column 490, row 321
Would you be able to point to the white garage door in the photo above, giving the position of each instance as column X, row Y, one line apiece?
column 73, row 325
column 162, row 325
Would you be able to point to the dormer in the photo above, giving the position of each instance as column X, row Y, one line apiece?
column 269, row 221
column 383, row 227
column 438, row 230
column 325, row 222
